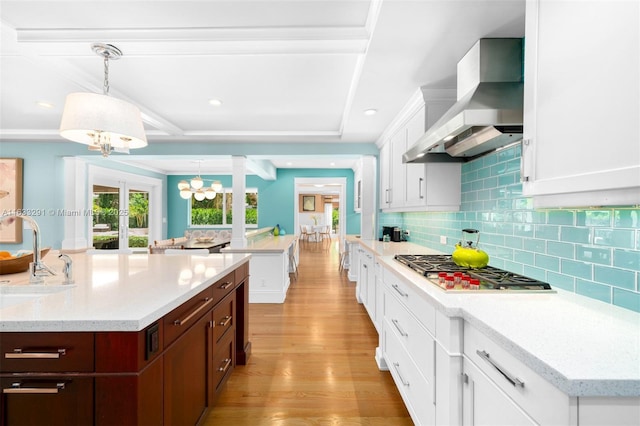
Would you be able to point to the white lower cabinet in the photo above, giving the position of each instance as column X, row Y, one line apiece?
column 483, row 403
column 498, row 389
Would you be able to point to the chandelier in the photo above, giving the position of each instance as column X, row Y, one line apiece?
column 104, row 123
column 196, row 188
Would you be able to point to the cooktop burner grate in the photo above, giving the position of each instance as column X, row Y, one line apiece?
column 490, row 278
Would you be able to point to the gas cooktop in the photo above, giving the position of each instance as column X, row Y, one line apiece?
column 435, row 266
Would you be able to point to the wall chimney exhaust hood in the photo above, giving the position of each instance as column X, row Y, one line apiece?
column 488, row 112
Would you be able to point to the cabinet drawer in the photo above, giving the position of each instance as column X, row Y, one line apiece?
column 417, row 392
column 47, row 401
column 413, row 336
column 50, row 352
column 423, row 310
column 241, row 272
column 223, row 287
column 181, row 318
column 223, row 361
column 539, row 398
column 224, row 317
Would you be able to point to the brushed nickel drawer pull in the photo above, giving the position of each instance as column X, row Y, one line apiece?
column 227, row 364
column 18, row 354
column 16, row 388
column 225, row 321
column 402, row 293
column 396, row 366
column 400, row 330
column 510, row 377
column 205, row 301
column 226, row 285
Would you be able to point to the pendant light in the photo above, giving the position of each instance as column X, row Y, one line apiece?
column 99, row 120
column 196, row 188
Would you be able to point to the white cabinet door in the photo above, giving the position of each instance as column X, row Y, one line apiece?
column 385, row 176
column 483, row 403
column 398, row 169
column 582, row 103
column 415, row 172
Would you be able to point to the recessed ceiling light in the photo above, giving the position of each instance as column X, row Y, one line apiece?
column 215, row 102
column 289, row 163
column 44, row 104
column 370, row 111
column 332, row 164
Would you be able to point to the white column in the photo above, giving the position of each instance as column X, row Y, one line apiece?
column 239, row 188
column 75, row 200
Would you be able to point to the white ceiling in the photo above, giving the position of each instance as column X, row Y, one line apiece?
column 289, row 71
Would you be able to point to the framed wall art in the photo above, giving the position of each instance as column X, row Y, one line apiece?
column 309, row 203
column 10, row 198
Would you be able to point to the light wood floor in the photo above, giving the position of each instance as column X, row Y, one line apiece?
column 312, row 360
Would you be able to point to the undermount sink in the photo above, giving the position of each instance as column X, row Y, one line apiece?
column 11, row 295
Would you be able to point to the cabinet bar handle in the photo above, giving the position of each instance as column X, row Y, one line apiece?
column 227, row 364
column 400, row 330
column 18, row 354
column 420, row 188
column 433, row 387
column 16, row 388
column 226, row 285
column 225, row 321
column 396, row 366
column 510, row 377
column 523, row 178
column 402, row 293
column 205, row 301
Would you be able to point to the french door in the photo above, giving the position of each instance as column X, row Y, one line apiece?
column 120, row 215
column 126, row 211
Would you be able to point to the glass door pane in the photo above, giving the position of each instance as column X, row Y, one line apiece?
column 138, row 226
column 106, row 217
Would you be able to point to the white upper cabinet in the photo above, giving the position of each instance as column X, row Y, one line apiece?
column 417, row 186
column 581, row 144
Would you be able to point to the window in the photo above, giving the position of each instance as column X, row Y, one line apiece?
column 219, row 211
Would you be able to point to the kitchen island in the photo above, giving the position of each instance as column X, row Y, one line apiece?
column 270, row 265
column 136, row 339
column 561, row 358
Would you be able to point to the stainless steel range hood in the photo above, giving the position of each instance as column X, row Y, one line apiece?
column 488, row 113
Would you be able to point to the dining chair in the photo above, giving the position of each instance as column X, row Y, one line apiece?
column 162, row 249
column 304, row 234
column 344, row 255
column 325, row 234
column 292, row 259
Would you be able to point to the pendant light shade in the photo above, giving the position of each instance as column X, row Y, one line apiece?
column 197, row 182
column 100, row 121
column 91, row 117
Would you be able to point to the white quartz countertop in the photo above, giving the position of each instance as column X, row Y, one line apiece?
column 582, row 346
column 111, row 292
column 267, row 244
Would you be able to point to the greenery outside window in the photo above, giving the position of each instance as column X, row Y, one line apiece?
column 219, row 211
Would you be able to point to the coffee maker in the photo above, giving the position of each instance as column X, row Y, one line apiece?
column 394, row 233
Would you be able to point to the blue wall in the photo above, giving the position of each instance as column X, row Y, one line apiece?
column 275, row 199
column 593, row 252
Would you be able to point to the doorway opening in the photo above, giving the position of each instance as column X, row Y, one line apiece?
column 328, row 207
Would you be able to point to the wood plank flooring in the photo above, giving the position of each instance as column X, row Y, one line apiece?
column 312, row 360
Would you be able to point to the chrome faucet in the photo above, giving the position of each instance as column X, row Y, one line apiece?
column 66, row 269
column 37, row 268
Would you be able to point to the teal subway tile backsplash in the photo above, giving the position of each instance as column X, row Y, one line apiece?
column 559, row 249
column 593, row 252
column 575, row 235
column 622, row 238
column 627, row 259
column 615, row 277
column 594, row 290
column 561, row 217
column 626, row 299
